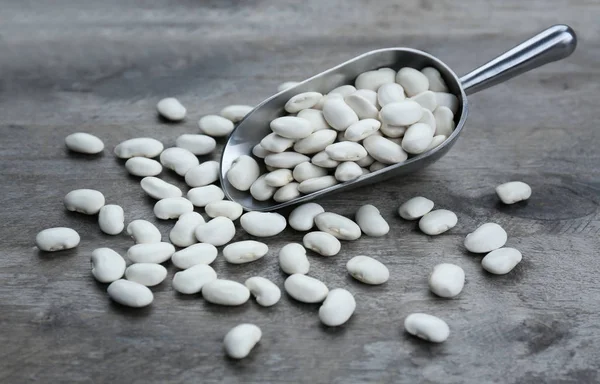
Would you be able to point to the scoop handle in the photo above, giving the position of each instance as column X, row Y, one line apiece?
column 552, row 44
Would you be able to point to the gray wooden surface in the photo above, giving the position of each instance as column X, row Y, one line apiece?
column 101, row 66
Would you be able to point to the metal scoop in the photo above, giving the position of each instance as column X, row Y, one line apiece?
column 552, row 44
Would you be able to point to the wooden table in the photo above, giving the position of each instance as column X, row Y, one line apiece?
column 100, row 67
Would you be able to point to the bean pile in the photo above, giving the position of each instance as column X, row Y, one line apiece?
column 384, row 118
column 374, row 112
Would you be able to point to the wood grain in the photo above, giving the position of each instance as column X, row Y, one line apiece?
column 100, row 67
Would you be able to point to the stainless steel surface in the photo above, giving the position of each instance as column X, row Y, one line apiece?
column 552, row 44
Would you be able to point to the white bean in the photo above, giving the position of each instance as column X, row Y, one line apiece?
column 225, row 292
column 337, row 308
column 279, row 178
column 346, row 151
column 143, row 232
column 193, row 279
column 384, row 150
column 148, row 274
column 292, row 259
column 369, row 95
column 203, row 174
column 305, row 288
column 287, row 193
column 426, row 99
column 347, row 171
column 513, row 192
column 413, row 81
column 447, row 100
column 84, row 143
column 183, row 232
column 436, row 142
column 371, row 222
column 87, row 201
column 275, row 143
column 444, row 121
column 243, row 172
column 266, row 292
column 376, row 166
column 130, row 293
column 447, row 280
column 315, row 117
column 428, row 119
column 143, row 166
column 245, row 251
column 501, row 261
column 363, row 108
column 150, row 252
column 315, row 142
column 107, row 265
column 263, row 224
column 236, row 113
column 316, row 184
column 218, row 231
column 139, row 147
column 323, row 160
column 179, row 160
column 417, row 138
column 343, row 90
column 171, row 109
column 427, row 327
column 225, row 208
column 436, row 82
column 365, row 161
column 358, row 131
column 172, row 207
column 216, row 126
column 286, row 85
column 437, row 222
column 260, row 152
column 240, row 340
column 260, row 190
column 111, row 219
column 338, row 114
column 302, row 101
column 404, row 112
column 202, row 253
column 393, row 131
column 322, row 243
column 159, row 189
column 291, row 127
column 285, row 159
column 197, row 144
column 415, row 208
column 486, row 238
column 57, row 239
column 390, row 93
column 374, row 79
column 302, row 218
column 202, row 196
column 368, row 270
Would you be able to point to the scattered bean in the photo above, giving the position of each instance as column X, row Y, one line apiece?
column 143, row 166
column 202, row 253
column 501, row 261
column 447, row 280
column 218, row 231
column 159, row 189
column 172, row 207
column 371, row 222
column 193, row 279
column 322, row 243
column 203, row 174
column 266, row 292
column 111, row 219
column 305, row 288
column 57, row 239
column 437, row 222
column 415, row 208
column 244, row 251
column 87, row 201
column 148, row 274
column 84, row 143
column 150, row 252
column 368, row 270
column 263, row 224
column 486, row 238
column 202, row 196
column 216, row 126
column 179, row 160
column 292, row 259
column 130, row 293
column 337, row 308
column 143, row 232
column 337, row 225
column 225, row 208
column 427, row 327
column 302, row 218
column 139, row 147
column 240, row 340
column 199, row 145
column 225, row 292
column 107, row 265
column 171, row 109
column 236, row 113
column 513, row 192
column 183, row 232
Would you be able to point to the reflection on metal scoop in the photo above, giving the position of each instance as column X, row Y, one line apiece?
column 552, row 44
